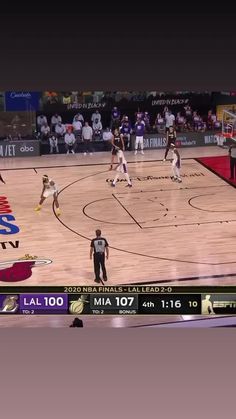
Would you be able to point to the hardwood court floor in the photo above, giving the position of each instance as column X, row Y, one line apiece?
column 159, row 231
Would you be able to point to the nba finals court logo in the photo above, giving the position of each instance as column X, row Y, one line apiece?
column 20, row 269
column 7, row 220
column 14, row 270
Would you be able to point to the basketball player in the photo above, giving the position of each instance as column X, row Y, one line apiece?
column 121, row 168
column 232, row 154
column 115, row 118
column 170, row 139
column 169, row 118
column 125, row 130
column 117, row 141
column 49, row 189
column 2, row 179
column 176, row 164
column 139, row 130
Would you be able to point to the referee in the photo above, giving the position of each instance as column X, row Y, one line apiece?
column 98, row 248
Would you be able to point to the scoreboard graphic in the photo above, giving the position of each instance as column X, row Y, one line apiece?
column 125, row 300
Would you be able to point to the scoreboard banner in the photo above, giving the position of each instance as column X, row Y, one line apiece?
column 22, row 101
column 185, row 139
column 118, row 300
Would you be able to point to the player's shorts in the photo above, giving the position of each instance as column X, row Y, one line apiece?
column 176, row 164
column 171, row 141
column 113, row 151
column 122, row 168
column 49, row 192
column 138, row 139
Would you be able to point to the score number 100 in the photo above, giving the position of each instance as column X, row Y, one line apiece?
column 53, row 301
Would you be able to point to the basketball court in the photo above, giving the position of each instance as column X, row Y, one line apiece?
column 159, row 231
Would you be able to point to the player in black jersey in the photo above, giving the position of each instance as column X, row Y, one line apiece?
column 117, row 141
column 171, row 139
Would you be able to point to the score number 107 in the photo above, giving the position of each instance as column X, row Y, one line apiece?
column 124, row 301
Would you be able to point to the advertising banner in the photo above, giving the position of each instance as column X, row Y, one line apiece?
column 188, row 139
column 19, row 148
column 125, row 101
column 22, row 101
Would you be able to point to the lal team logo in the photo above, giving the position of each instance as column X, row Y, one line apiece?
column 9, row 304
column 20, row 269
column 7, row 220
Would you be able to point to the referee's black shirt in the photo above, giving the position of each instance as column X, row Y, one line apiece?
column 99, row 244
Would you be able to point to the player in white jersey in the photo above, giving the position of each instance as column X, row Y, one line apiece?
column 121, row 168
column 49, row 189
column 176, row 164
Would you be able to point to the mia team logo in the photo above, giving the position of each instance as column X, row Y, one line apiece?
column 7, row 220
column 77, row 306
column 20, row 269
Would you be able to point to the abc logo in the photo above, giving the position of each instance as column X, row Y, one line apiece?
column 25, row 149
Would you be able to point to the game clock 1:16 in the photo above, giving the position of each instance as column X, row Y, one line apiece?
column 169, row 304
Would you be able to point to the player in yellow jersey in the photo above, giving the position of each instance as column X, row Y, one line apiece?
column 49, row 189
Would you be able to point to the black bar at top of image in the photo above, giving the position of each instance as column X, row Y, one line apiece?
column 155, row 289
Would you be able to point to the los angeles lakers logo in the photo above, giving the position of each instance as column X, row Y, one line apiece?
column 10, row 304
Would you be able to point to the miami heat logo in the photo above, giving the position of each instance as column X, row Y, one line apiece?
column 21, row 269
column 77, row 306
